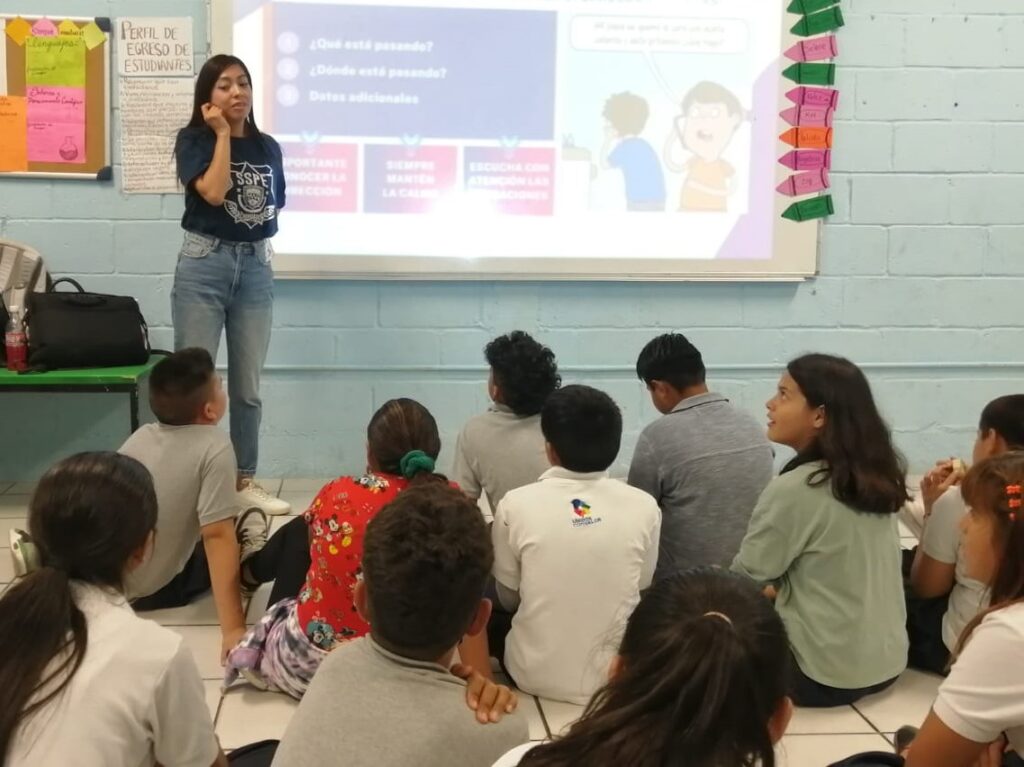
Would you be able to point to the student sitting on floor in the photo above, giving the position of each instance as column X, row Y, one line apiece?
column 325, row 546
column 503, row 449
column 204, row 533
column 389, row 699
column 979, row 711
column 943, row 599
column 824, row 534
column 85, row 681
column 705, row 461
column 571, row 553
column 700, row 679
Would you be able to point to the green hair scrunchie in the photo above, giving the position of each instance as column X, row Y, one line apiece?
column 414, row 462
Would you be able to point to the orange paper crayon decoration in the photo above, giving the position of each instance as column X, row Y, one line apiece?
column 808, row 138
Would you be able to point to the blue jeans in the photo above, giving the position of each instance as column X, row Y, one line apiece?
column 229, row 286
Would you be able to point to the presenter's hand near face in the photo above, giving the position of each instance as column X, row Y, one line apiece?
column 214, row 117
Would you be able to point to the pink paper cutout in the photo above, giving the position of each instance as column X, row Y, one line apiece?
column 820, row 117
column 817, row 49
column 56, row 124
column 814, row 97
column 807, row 159
column 44, row 28
column 804, row 183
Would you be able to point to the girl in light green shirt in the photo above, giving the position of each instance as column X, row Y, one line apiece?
column 823, row 534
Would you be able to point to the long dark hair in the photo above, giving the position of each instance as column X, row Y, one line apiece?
column 865, row 469
column 88, row 515
column 401, row 427
column 986, row 489
column 705, row 666
column 205, row 83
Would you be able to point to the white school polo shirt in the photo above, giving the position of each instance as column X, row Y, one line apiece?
column 137, row 699
column 982, row 696
column 578, row 548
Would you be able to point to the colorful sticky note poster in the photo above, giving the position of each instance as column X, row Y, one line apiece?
column 13, row 146
column 93, row 35
column 55, row 61
column 44, row 28
column 68, row 28
column 55, row 124
column 18, row 30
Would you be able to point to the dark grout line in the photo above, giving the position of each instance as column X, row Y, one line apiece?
column 872, row 724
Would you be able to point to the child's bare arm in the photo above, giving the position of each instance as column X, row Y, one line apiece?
column 221, row 547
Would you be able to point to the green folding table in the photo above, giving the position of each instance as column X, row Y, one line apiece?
column 121, row 380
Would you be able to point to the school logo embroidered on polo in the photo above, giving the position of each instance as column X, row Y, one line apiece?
column 249, row 199
column 582, row 511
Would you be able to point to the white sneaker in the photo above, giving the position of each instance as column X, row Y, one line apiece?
column 254, row 494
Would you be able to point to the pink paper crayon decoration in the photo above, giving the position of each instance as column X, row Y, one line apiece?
column 812, row 116
column 814, row 97
column 804, row 183
column 808, row 159
column 818, row 49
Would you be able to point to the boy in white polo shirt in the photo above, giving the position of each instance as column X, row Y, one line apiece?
column 572, row 552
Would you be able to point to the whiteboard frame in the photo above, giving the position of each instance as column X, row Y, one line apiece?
column 107, row 145
column 790, row 237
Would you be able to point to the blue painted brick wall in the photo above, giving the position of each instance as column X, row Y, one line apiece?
column 922, row 272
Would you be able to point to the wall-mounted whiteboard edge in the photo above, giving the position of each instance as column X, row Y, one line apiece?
column 106, row 172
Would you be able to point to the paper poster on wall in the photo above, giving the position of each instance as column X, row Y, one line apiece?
column 57, row 60
column 55, row 124
column 13, row 147
column 154, row 47
column 152, row 111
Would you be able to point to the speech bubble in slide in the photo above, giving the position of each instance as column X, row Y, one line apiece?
column 654, row 34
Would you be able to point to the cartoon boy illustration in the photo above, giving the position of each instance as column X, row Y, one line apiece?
column 626, row 116
column 711, row 115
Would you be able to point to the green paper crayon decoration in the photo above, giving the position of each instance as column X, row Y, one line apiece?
column 810, row 6
column 811, row 74
column 807, row 210
column 819, row 23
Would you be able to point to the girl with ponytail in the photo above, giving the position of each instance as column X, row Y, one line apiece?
column 85, row 681
column 284, row 650
column 700, row 679
column 979, row 711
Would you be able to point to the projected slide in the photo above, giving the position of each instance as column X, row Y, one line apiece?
column 521, row 128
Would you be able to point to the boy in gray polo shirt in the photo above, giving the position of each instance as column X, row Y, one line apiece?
column 389, row 699
column 203, row 532
column 705, row 461
column 503, row 449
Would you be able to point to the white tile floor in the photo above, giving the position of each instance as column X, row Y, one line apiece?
column 243, row 715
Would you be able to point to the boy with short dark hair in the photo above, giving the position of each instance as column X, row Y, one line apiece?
column 572, row 552
column 203, row 533
column 705, row 462
column 388, row 699
column 503, row 449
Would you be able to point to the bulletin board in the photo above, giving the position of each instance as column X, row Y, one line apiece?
column 41, row 112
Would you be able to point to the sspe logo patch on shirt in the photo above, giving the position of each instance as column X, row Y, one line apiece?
column 582, row 511
column 250, row 200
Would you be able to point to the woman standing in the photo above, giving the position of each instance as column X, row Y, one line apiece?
column 234, row 188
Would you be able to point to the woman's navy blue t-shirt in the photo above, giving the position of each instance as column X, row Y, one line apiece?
column 250, row 208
